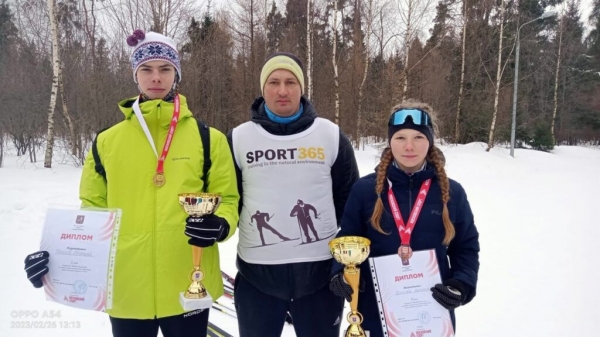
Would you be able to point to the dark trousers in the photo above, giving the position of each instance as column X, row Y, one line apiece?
column 262, row 315
column 190, row 324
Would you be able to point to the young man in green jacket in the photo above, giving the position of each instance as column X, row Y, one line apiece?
column 145, row 170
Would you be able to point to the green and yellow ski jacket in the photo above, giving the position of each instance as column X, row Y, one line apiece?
column 153, row 258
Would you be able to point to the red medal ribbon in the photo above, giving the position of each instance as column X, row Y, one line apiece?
column 406, row 230
column 160, row 168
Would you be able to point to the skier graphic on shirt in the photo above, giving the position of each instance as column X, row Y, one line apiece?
column 262, row 222
column 302, row 212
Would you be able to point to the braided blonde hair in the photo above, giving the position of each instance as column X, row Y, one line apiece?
column 434, row 156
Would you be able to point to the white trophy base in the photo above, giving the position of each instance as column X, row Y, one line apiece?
column 190, row 304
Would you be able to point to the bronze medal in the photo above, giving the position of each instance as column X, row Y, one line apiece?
column 159, row 179
column 405, row 252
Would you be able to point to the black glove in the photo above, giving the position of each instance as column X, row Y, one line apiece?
column 205, row 231
column 451, row 294
column 341, row 288
column 36, row 266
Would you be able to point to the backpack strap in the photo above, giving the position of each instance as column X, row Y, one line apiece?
column 98, row 163
column 205, row 137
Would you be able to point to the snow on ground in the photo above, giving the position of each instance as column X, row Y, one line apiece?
column 537, row 215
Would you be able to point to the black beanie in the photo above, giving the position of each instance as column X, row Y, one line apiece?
column 408, row 124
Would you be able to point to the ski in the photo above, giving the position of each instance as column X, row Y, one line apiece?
column 228, row 295
column 211, row 333
column 228, row 283
column 227, row 291
column 228, row 277
column 228, row 307
column 218, row 331
column 224, row 310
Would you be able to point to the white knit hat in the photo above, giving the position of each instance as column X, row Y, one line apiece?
column 152, row 46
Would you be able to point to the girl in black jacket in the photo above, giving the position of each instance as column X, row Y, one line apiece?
column 445, row 223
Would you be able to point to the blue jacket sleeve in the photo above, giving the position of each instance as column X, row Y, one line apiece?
column 354, row 220
column 464, row 248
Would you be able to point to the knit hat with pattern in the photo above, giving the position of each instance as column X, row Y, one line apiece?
column 152, row 46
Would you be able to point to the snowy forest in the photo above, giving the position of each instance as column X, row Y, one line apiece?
column 64, row 65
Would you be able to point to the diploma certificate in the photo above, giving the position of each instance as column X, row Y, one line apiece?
column 404, row 297
column 82, row 244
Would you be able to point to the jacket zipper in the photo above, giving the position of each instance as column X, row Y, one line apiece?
column 155, row 218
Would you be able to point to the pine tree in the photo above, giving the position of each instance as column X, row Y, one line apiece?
column 275, row 29
column 593, row 39
column 8, row 31
column 440, row 27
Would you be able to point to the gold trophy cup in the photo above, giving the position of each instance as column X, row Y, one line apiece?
column 351, row 251
column 197, row 205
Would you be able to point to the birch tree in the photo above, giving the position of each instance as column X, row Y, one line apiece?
column 498, row 77
column 369, row 22
column 309, row 52
column 265, row 26
column 55, row 82
column 65, row 113
column 462, row 72
column 336, row 88
column 556, row 79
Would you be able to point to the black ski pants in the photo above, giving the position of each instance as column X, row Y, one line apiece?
column 189, row 324
column 262, row 315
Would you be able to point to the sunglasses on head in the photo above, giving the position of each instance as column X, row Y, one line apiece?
column 419, row 117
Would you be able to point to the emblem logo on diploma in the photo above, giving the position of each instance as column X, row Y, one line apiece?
column 197, row 205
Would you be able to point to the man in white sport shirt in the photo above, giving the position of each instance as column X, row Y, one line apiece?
column 283, row 155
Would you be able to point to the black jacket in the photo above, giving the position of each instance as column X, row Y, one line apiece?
column 294, row 280
column 460, row 260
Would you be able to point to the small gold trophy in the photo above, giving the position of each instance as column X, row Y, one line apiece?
column 197, row 205
column 351, row 251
